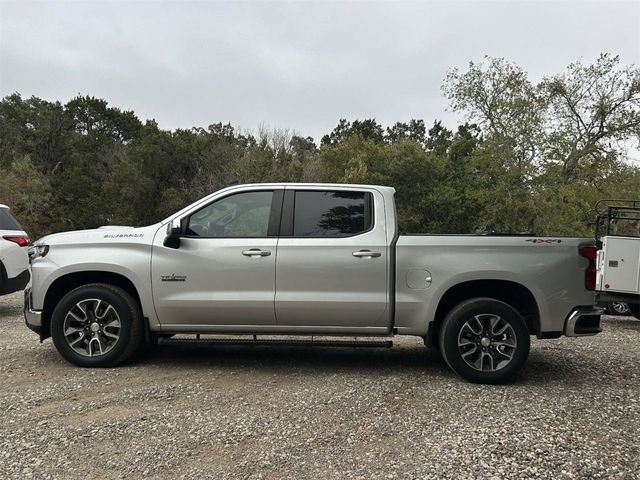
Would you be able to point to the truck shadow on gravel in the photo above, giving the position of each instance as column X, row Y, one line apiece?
column 312, row 359
column 546, row 365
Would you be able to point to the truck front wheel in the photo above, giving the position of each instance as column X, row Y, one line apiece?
column 484, row 340
column 97, row 325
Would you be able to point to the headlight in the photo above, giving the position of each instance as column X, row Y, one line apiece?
column 37, row 251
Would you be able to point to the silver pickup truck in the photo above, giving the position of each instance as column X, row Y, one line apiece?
column 302, row 260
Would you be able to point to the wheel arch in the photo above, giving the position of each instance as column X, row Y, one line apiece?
column 65, row 283
column 510, row 292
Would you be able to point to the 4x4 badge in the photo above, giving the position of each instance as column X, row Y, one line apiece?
column 544, row 240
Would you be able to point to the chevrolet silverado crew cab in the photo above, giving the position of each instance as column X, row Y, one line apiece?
column 308, row 260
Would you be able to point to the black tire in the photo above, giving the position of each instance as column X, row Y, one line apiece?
column 618, row 308
column 634, row 309
column 453, row 328
column 131, row 333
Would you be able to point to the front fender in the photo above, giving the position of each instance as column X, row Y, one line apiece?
column 133, row 263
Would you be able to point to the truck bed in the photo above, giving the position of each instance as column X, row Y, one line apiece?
column 550, row 268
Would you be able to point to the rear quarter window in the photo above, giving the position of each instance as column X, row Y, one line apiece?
column 7, row 222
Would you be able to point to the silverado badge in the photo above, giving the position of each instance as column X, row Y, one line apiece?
column 173, row 278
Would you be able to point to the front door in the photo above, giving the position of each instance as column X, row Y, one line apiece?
column 223, row 272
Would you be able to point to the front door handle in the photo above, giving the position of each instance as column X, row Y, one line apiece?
column 256, row 252
column 366, row 254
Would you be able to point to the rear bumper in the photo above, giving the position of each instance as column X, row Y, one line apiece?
column 583, row 321
column 33, row 318
column 10, row 285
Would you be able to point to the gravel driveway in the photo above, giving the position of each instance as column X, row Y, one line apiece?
column 290, row 412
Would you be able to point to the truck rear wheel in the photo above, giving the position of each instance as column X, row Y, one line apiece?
column 97, row 325
column 634, row 309
column 484, row 340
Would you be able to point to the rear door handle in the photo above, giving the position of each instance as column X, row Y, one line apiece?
column 366, row 254
column 256, row 252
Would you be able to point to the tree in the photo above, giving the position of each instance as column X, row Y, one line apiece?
column 556, row 141
column 28, row 191
column 414, row 130
column 368, row 128
column 594, row 110
column 501, row 100
column 438, row 139
column 93, row 117
column 533, row 156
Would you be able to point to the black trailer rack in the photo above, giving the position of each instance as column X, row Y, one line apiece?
column 621, row 217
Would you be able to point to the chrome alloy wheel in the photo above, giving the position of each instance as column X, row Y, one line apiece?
column 487, row 342
column 92, row 327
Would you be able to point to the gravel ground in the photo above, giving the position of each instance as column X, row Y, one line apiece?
column 284, row 412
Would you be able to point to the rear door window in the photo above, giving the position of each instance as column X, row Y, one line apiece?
column 331, row 214
column 7, row 222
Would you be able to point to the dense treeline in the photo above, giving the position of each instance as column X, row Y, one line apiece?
column 532, row 157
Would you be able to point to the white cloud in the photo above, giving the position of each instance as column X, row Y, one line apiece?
column 299, row 65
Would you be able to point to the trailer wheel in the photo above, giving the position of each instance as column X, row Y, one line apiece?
column 618, row 308
column 484, row 340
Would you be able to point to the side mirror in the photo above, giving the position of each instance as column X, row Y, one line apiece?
column 172, row 240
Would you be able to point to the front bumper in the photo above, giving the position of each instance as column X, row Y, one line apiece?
column 33, row 318
column 583, row 321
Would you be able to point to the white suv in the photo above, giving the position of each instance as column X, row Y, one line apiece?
column 14, row 259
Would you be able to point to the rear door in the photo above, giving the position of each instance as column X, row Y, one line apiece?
column 332, row 261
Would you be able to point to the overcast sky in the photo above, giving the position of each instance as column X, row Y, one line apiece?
column 297, row 65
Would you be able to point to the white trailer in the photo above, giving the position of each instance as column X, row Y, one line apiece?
column 618, row 257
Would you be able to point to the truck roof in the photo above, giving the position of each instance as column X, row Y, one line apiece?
column 327, row 185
